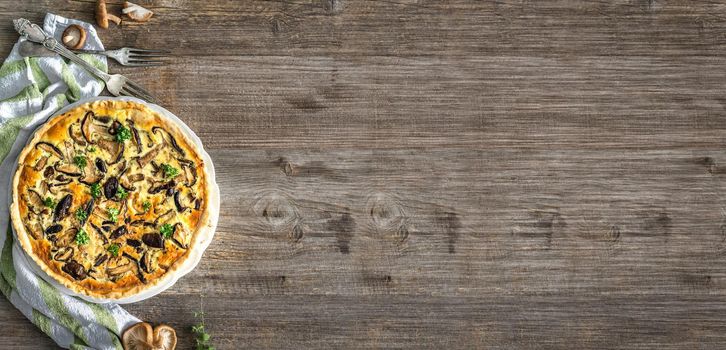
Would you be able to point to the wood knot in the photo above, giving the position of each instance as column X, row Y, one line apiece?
column 296, row 234
column 281, row 213
column 388, row 217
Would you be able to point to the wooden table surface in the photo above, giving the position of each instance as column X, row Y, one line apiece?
column 444, row 174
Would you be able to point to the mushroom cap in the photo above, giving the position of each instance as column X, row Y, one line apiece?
column 141, row 337
column 138, row 337
column 164, row 337
column 101, row 14
column 74, row 37
column 137, row 12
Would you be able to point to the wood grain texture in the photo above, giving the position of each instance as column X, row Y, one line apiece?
column 445, row 174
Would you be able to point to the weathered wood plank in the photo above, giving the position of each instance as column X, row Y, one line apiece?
column 445, row 174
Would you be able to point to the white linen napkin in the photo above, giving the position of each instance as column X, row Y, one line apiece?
column 31, row 90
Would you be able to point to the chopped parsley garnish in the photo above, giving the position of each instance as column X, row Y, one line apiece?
column 113, row 249
column 80, row 161
column 82, row 237
column 146, row 205
column 96, row 190
column 203, row 338
column 121, row 193
column 81, row 215
column 113, row 214
column 49, row 202
column 122, row 134
column 169, row 171
column 91, row 149
column 166, row 230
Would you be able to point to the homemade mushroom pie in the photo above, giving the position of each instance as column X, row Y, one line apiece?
column 109, row 198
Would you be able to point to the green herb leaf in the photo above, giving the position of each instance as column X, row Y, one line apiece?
column 49, row 202
column 169, row 171
column 146, row 205
column 82, row 237
column 80, row 161
column 166, row 230
column 81, row 215
column 96, row 190
column 91, row 149
column 113, row 249
column 202, row 336
column 121, row 193
column 123, row 134
column 113, row 214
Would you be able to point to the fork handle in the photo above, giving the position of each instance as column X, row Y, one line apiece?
column 35, row 33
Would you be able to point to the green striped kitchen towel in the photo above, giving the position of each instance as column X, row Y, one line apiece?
column 31, row 90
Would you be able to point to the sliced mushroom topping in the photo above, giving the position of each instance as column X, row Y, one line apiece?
column 53, row 229
column 104, row 120
column 127, row 181
column 63, row 254
column 167, row 137
column 114, row 127
column 90, row 175
column 100, row 233
column 137, row 138
column 75, row 270
column 163, row 187
column 119, row 270
column 49, row 148
column 110, row 187
column 66, row 238
column 86, row 127
column 146, row 263
column 180, row 207
column 153, row 240
column 88, row 208
column 163, row 218
column 190, row 174
column 74, row 130
column 120, row 231
column 181, row 236
column 34, row 228
column 100, row 260
column 68, row 169
column 41, row 163
column 62, row 209
column 145, row 159
column 115, row 149
column 101, row 165
column 48, row 173
column 133, row 243
column 68, row 149
column 35, row 201
column 142, row 223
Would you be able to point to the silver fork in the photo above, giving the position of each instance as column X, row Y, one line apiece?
column 129, row 56
column 117, row 84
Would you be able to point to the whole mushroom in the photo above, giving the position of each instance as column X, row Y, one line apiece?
column 102, row 16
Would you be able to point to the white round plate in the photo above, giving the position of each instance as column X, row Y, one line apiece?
column 189, row 264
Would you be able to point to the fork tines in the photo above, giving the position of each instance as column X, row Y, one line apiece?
column 132, row 89
column 141, row 57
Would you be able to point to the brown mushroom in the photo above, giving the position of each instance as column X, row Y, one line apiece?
column 102, row 16
column 68, row 169
column 145, row 159
column 63, row 254
column 136, row 12
column 40, row 164
column 74, row 37
column 49, row 148
column 119, row 270
column 75, row 270
column 74, row 131
column 141, row 336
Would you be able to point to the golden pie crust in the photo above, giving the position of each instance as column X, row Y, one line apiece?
column 110, row 198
